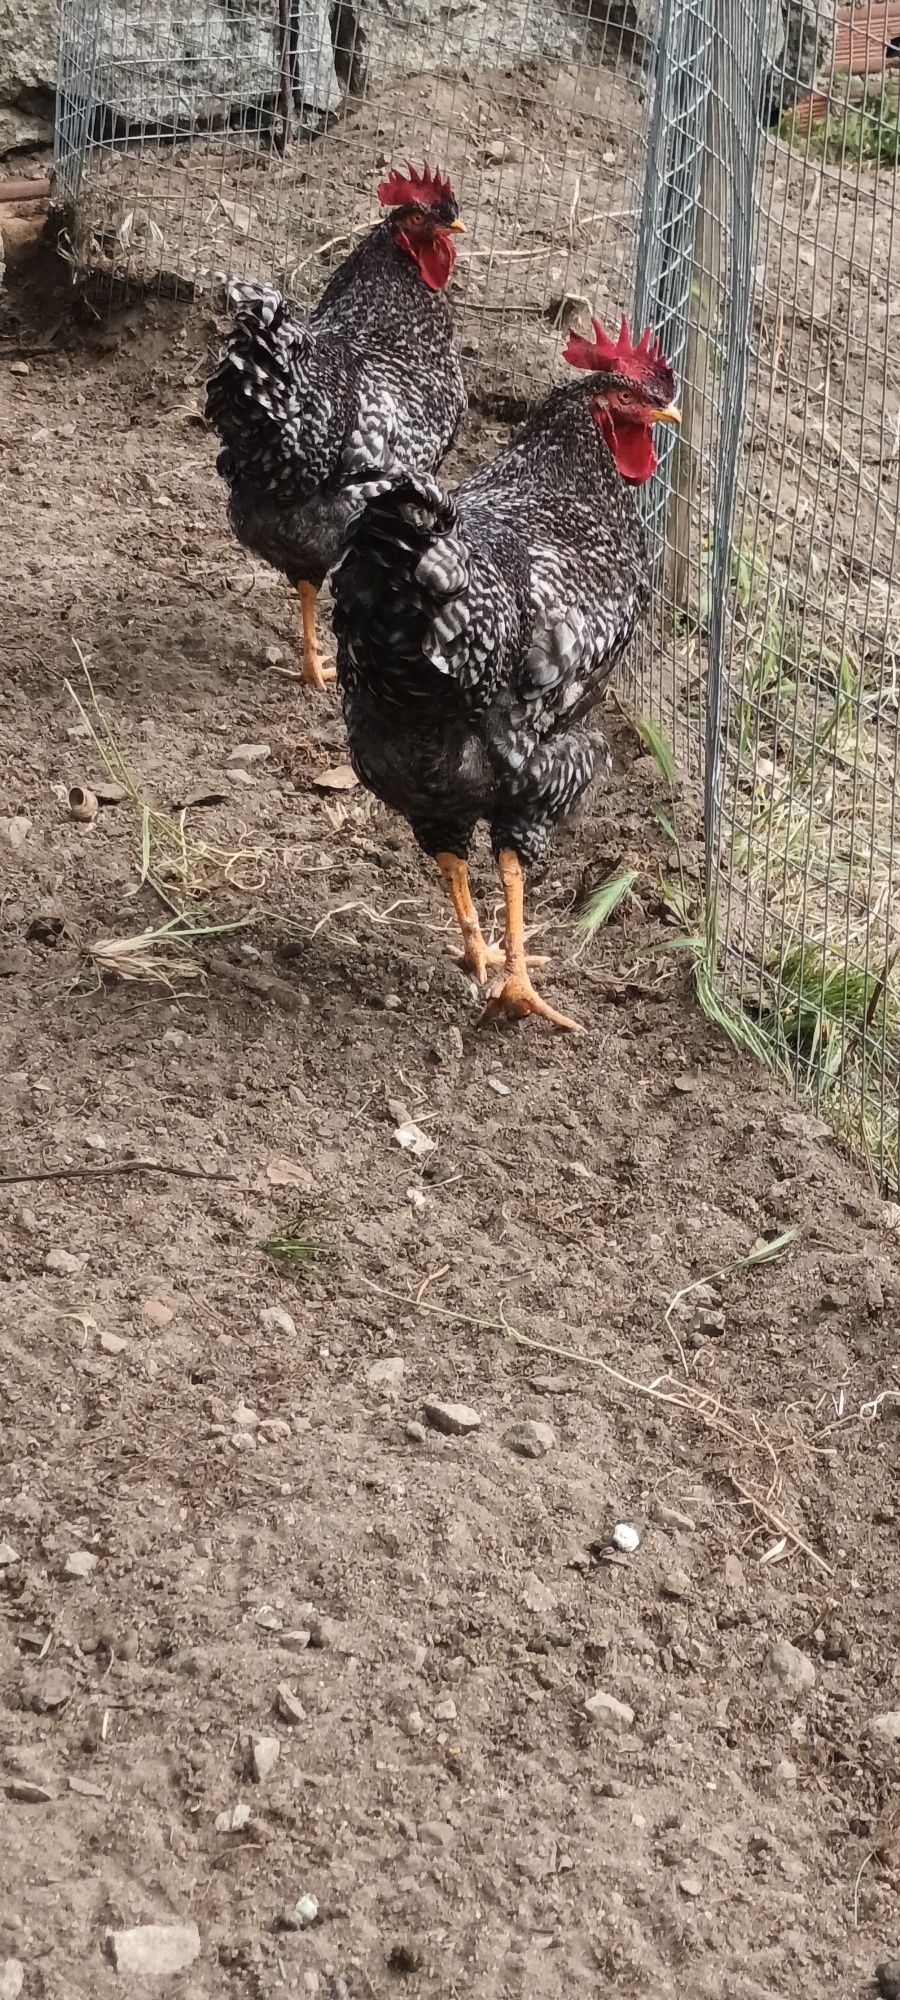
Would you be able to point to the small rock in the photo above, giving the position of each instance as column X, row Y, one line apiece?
column 690, row 1885
column 112, row 1343
column 298, row 1916
column 276, row 1320
column 272, row 1429
column 454, row 1419
column 414, row 1724
column 500, row 1089
column 676, row 1583
column 8, row 1555
column 608, row 1712
column 887, row 1979
column 671, row 1517
column 707, row 1323
column 791, row 1666
column 886, row 1727
column 52, row 1691
column 733, row 1573
column 17, row 829
column 786, row 1771
column 530, row 1440
column 12, row 1978
column 244, row 1417
column 274, row 655
column 80, row 1563
column 289, row 1705
column 297, row 1639
column 19, row 368
column 445, row 1710
column 157, row 1312
column 234, row 1819
column 63, row 1263
column 436, row 1833
column 387, row 1374
column 267, row 1616
column 27, row 1792
column 414, row 1140
column 324, row 1632
column 416, row 1198
column 338, row 778
column 626, row 1538
column 249, row 753
column 416, row 1433
column 154, row 1951
column 264, row 1754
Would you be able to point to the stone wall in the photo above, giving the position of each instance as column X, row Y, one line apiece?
column 199, row 62
column 183, row 63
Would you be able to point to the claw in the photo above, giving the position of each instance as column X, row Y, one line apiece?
column 516, row 998
column 315, row 675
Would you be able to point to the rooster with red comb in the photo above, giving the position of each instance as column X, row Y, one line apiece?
column 476, row 632
column 316, row 417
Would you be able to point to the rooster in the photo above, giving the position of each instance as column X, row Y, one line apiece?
column 314, row 417
column 477, row 630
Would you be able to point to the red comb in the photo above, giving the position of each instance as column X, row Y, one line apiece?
column 423, row 188
column 619, row 356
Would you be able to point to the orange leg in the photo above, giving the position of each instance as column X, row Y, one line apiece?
column 313, row 673
column 477, row 956
column 515, row 996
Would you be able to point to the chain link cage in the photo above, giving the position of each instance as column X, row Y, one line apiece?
column 726, row 170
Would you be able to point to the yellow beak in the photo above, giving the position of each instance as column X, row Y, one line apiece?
column 670, row 415
column 456, row 228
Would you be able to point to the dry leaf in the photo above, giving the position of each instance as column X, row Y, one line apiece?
column 287, row 1173
column 339, row 779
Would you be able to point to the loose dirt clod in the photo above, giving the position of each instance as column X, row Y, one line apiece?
column 792, row 1666
column 530, row 1440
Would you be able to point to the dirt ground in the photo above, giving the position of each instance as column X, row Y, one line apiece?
column 283, row 1547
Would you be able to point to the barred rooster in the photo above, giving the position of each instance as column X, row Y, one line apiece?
column 313, row 418
column 477, row 630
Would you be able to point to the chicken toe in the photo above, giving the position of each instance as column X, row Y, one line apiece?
column 514, row 996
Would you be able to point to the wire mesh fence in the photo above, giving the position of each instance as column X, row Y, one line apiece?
column 727, row 168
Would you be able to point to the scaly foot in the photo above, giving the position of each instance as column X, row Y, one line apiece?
column 480, row 959
column 516, row 998
column 315, row 672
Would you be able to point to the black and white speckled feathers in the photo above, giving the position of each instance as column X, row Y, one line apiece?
column 476, row 631
column 313, row 418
